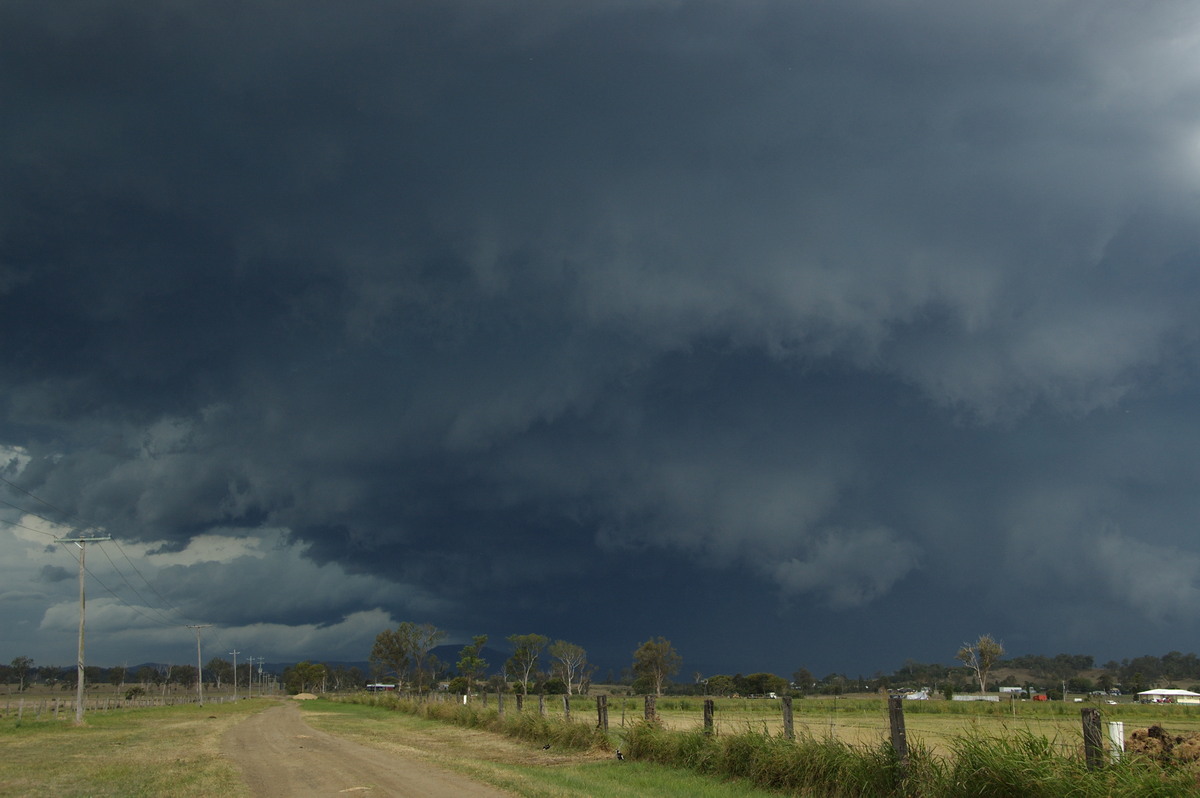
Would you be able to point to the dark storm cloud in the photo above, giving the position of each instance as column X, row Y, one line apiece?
column 499, row 303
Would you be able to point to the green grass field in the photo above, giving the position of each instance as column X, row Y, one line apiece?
column 176, row 750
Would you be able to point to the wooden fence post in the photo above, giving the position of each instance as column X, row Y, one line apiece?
column 650, row 705
column 899, row 736
column 542, row 704
column 1093, row 741
column 708, row 716
column 520, row 703
column 602, row 712
column 566, row 707
column 789, row 730
column 500, row 704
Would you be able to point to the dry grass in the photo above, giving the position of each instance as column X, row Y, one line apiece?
column 124, row 753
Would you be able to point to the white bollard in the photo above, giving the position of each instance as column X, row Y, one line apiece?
column 1116, row 737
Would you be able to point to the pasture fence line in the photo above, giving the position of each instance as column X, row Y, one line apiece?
column 47, row 708
column 894, row 721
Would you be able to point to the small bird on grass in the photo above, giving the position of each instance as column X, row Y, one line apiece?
column 620, row 756
column 546, row 747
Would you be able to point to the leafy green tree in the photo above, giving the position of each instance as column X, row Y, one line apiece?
column 390, row 655
column 183, row 675
column 218, row 671
column 304, row 677
column 471, row 664
column 570, row 664
column 804, row 680
column 760, row 684
column 553, row 686
column 526, row 651
column 1080, row 684
column 116, row 676
column 21, row 667
column 341, row 677
column 404, row 652
column 720, row 685
column 980, row 657
column 656, row 661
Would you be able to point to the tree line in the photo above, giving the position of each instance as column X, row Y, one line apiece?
column 537, row 664
column 403, row 656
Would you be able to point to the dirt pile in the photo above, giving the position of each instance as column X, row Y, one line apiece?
column 1157, row 744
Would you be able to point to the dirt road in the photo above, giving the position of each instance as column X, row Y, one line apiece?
column 281, row 756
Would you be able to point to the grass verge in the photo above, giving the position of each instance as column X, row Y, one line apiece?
column 131, row 753
column 516, row 763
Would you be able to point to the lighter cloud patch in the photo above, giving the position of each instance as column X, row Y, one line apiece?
column 850, row 567
column 356, row 631
column 13, row 459
column 33, row 529
column 1161, row 582
column 221, row 546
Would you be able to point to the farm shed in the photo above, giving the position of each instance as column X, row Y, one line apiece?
column 1163, row 695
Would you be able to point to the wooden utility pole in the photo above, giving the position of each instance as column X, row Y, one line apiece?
column 234, row 653
column 80, row 541
column 199, row 672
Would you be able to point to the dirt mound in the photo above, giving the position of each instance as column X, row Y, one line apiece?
column 1157, row 744
column 304, row 697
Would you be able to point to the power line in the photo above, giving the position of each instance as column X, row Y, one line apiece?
column 134, row 589
column 15, row 486
column 31, row 529
column 150, row 585
column 171, row 608
column 35, row 515
column 162, row 619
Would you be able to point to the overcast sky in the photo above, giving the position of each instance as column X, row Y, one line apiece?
column 801, row 333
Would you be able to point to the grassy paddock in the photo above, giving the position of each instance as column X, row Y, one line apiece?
column 124, row 754
column 857, row 720
column 957, row 748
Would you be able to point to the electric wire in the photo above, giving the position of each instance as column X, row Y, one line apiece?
column 145, row 603
column 23, row 511
column 31, row 529
column 59, row 510
column 114, row 594
column 138, row 610
column 162, row 620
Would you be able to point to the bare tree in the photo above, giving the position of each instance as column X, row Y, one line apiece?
column 980, row 656
column 526, row 650
column 570, row 664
